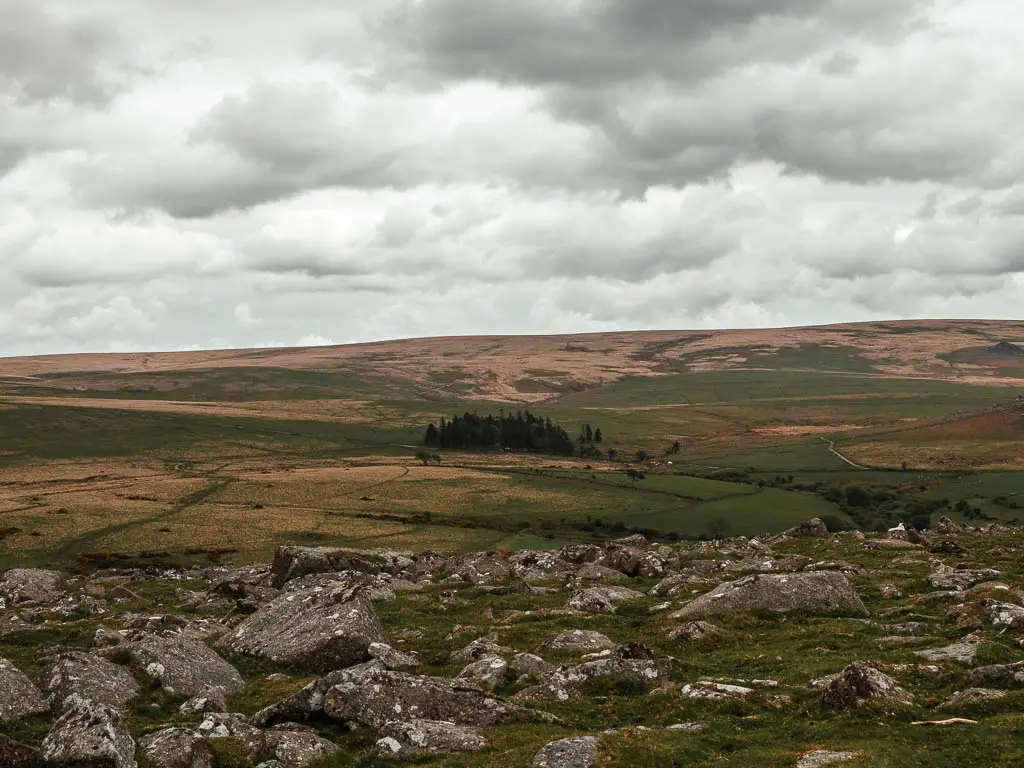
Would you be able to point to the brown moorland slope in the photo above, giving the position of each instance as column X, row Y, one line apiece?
column 537, row 368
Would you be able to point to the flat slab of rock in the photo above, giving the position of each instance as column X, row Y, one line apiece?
column 318, row 629
column 577, row 752
column 89, row 734
column 19, row 697
column 578, row 640
column 292, row 562
column 89, row 677
column 403, row 738
column 963, row 652
column 373, row 696
column 823, row 593
column 1004, row 674
column 971, row 696
column 709, row 690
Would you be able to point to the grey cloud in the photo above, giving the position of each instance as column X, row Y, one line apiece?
column 49, row 54
column 595, row 43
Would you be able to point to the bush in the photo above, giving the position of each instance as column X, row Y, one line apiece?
column 835, row 523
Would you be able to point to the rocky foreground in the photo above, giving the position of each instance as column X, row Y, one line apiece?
column 804, row 649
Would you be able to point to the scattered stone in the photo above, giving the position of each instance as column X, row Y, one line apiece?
column 814, row 528
column 24, row 586
column 185, row 667
column 963, row 651
column 87, row 676
column 861, row 683
column 971, row 696
column 960, row 577
column 578, row 640
column 488, row 672
column 212, row 700
column 695, row 631
column 822, row 593
column 601, row 599
column 372, row 695
column 296, row 746
column 820, row 758
column 391, row 658
column 318, row 629
column 577, row 752
column 427, row 737
column 1003, row 674
column 19, row 697
column 889, row 544
column 709, row 690
column 176, row 748
column 529, row 665
column 89, row 734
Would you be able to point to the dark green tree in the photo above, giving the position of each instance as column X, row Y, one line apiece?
column 597, row 435
column 431, row 437
column 634, row 475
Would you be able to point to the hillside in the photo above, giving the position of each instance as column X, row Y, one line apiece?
column 181, row 456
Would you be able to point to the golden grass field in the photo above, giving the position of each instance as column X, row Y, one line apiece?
column 244, row 449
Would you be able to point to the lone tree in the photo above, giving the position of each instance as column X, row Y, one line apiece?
column 612, row 454
column 719, row 528
column 424, row 456
column 598, row 437
column 634, row 475
column 642, row 455
column 676, row 447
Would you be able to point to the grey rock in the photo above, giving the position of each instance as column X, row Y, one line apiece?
column 176, row 748
column 89, row 677
column 185, row 667
column 31, row 585
column 212, row 700
column 19, row 697
column 481, row 647
column 404, row 738
column 318, row 629
column 1004, row 614
column 695, row 631
column 482, row 568
column 709, row 690
column 1002, row 674
column 971, row 696
column 578, row 640
column 820, row 758
column 963, row 651
column 601, row 599
column 296, row 747
column 531, row 665
column 292, row 562
column 488, row 672
column 89, row 735
column 577, row 752
column 373, row 696
column 961, row 578
column 594, row 572
column 391, row 658
column 823, row 593
column 812, row 529
column 861, row 683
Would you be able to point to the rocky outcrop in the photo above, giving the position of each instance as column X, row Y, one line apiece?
column 862, row 683
column 821, row 593
column 292, row 562
column 185, row 667
column 318, row 629
column 412, row 738
column 87, row 676
column 19, row 697
column 89, row 735
column 372, row 695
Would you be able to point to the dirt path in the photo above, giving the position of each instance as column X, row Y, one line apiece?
column 832, row 447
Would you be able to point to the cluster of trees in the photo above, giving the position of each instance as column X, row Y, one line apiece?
column 588, row 440
column 522, row 431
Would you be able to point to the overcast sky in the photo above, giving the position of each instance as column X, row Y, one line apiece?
column 229, row 173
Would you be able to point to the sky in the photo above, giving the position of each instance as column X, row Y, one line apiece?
column 238, row 173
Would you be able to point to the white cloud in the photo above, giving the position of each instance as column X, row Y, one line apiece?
column 313, row 340
column 165, row 169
